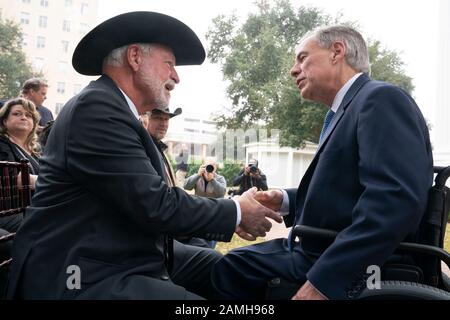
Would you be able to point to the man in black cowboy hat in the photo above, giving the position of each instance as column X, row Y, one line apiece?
column 100, row 220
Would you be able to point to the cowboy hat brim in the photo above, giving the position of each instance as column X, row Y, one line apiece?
column 176, row 112
column 137, row 27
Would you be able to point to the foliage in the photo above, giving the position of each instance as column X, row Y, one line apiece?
column 229, row 170
column 256, row 58
column 14, row 69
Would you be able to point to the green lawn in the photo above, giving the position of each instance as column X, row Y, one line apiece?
column 447, row 238
column 236, row 242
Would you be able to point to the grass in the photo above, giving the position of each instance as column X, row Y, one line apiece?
column 236, row 242
column 447, row 238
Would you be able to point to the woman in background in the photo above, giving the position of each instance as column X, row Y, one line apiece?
column 18, row 140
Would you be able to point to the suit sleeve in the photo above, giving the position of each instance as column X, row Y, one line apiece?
column 395, row 172
column 106, row 155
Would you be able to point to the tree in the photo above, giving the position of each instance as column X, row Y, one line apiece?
column 256, row 58
column 14, row 69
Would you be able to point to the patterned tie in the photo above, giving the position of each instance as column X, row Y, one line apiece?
column 326, row 123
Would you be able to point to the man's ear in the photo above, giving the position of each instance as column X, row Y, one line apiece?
column 338, row 50
column 134, row 57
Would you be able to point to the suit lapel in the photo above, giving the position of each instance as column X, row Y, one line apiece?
column 356, row 86
column 304, row 183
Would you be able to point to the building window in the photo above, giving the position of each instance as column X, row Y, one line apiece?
column 84, row 8
column 68, row 3
column 44, row 3
column 40, row 42
column 66, row 25
column 24, row 40
column 61, row 87
column 24, row 18
column 83, row 28
column 26, row 1
column 43, row 21
column 58, row 107
column 38, row 63
column 62, row 66
column 65, row 46
column 76, row 88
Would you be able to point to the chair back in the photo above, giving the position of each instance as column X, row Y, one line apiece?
column 14, row 197
column 433, row 225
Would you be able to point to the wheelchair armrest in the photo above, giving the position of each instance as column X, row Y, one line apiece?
column 302, row 231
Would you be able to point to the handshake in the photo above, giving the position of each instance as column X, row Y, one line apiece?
column 256, row 207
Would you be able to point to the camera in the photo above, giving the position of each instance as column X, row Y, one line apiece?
column 209, row 168
column 253, row 168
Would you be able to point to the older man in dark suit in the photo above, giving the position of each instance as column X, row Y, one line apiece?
column 100, row 223
column 369, row 179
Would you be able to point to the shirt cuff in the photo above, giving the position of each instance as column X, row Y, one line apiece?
column 284, row 210
column 238, row 212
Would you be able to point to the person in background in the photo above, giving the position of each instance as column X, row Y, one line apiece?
column 157, row 123
column 182, row 166
column 249, row 177
column 206, row 183
column 35, row 90
column 18, row 140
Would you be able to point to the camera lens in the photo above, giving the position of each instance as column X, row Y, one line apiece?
column 209, row 168
column 253, row 169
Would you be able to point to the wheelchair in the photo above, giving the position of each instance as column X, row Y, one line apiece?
column 421, row 280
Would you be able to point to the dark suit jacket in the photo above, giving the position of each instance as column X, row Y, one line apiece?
column 369, row 180
column 101, row 204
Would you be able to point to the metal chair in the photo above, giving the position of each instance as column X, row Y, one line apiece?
column 14, row 198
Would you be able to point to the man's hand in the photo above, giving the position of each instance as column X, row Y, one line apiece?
column 271, row 199
column 201, row 170
column 308, row 292
column 253, row 216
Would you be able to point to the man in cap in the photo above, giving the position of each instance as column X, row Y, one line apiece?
column 100, row 220
column 157, row 123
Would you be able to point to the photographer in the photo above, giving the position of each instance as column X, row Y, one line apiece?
column 250, row 176
column 206, row 183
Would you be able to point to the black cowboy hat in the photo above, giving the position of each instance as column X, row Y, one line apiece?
column 167, row 111
column 136, row 27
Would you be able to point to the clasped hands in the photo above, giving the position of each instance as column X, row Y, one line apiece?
column 256, row 208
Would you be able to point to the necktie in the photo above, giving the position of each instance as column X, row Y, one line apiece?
column 326, row 123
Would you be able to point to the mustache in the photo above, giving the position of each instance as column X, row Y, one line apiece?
column 169, row 85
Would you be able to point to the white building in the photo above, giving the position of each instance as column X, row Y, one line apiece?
column 51, row 30
column 442, row 129
column 284, row 167
column 193, row 131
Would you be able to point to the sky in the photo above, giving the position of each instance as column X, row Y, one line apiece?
column 406, row 26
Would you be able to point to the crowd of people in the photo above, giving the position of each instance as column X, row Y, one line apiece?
column 108, row 202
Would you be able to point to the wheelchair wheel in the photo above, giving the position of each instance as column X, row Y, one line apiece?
column 402, row 290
